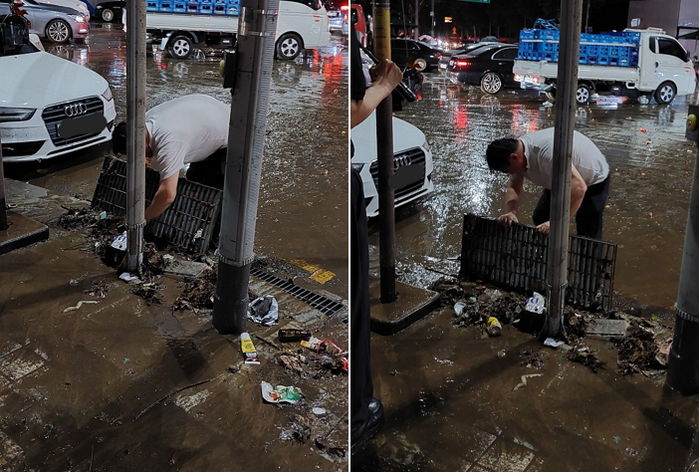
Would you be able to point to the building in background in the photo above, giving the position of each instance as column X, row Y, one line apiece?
column 674, row 16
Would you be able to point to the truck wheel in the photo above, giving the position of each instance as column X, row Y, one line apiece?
column 107, row 15
column 420, row 64
column 58, row 31
column 288, row 46
column 180, row 47
column 583, row 94
column 491, row 83
column 665, row 93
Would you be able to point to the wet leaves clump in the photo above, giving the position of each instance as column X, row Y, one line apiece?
column 150, row 292
column 98, row 289
column 582, row 354
column 531, row 359
column 638, row 351
column 198, row 293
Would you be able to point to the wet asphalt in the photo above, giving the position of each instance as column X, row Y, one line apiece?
column 651, row 167
column 302, row 213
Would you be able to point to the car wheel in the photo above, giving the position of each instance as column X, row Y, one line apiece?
column 288, row 46
column 58, row 31
column 665, row 93
column 491, row 83
column 180, row 47
column 107, row 15
column 583, row 94
column 420, row 64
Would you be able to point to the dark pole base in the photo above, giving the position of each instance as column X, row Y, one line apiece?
column 683, row 365
column 231, row 300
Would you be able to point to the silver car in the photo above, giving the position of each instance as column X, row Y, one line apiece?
column 52, row 22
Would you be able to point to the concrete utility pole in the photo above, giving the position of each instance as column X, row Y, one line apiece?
column 566, row 85
column 246, row 135
column 3, row 212
column 683, row 365
column 135, row 147
column 384, row 137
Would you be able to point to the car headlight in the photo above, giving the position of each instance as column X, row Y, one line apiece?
column 80, row 18
column 107, row 94
column 16, row 114
column 358, row 166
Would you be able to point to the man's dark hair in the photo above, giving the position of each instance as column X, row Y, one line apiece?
column 119, row 138
column 498, row 153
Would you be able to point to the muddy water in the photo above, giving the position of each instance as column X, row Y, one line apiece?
column 303, row 198
column 651, row 167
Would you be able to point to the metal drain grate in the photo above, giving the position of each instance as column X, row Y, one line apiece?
column 320, row 302
column 516, row 257
column 188, row 223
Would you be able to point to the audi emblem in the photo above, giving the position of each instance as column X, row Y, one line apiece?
column 75, row 109
column 402, row 161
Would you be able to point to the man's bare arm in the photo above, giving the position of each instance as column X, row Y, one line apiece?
column 386, row 77
column 163, row 198
column 578, row 187
column 512, row 195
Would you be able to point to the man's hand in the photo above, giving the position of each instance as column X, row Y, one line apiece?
column 544, row 228
column 386, row 73
column 507, row 219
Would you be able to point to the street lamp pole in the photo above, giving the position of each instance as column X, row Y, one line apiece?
column 384, row 136
column 566, row 85
column 135, row 147
column 246, row 135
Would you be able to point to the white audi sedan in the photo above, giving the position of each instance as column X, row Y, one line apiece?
column 50, row 106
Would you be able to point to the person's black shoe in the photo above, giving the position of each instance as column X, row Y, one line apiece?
column 369, row 429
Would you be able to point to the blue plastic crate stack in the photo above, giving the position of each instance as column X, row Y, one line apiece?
column 618, row 49
column 197, row 7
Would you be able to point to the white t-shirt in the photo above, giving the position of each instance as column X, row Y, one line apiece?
column 186, row 129
column 587, row 158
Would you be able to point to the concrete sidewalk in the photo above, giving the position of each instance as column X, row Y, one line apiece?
column 118, row 384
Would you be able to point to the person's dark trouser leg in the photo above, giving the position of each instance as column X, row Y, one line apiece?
column 588, row 219
column 542, row 212
column 362, row 387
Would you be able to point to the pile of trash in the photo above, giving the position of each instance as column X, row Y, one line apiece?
column 198, row 292
column 643, row 345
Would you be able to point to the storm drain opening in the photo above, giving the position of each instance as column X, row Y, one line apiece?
column 188, row 223
column 516, row 258
column 320, row 302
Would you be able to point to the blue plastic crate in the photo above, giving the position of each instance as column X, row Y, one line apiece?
column 166, row 5
column 192, row 7
column 206, row 9
column 179, row 7
column 152, row 5
column 219, row 9
column 232, row 7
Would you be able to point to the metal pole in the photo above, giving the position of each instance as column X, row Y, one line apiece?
column 587, row 15
column 136, row 152
column 417, row 20
column 566, row 85
column 432, row 17
column 683, row 365
column 246, row 135
column 3, row 213
column 384, row 136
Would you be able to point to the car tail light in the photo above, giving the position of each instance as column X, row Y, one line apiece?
column 462, row 63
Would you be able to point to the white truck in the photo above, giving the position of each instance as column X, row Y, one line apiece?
column 660, row 67
column 300, row 25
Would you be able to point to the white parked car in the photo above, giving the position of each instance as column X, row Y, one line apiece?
column 50, row 106
column 412, row 162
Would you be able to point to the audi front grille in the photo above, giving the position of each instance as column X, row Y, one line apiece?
column 415, row 156
column 55, row 114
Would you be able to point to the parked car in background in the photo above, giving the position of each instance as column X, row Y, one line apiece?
column 50, row 106
column 110, row 10
column 74, row 4
column 52, row 22
column 412, row 162
column 447, row 55
column 335, row 21
column 489, row 67
column 407, row 51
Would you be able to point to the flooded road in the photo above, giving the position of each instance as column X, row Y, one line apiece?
column 303, row 199
column 651, row 169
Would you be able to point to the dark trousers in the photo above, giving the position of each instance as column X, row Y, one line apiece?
column 588, row 219
column 210, row 171
column 362, row 388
